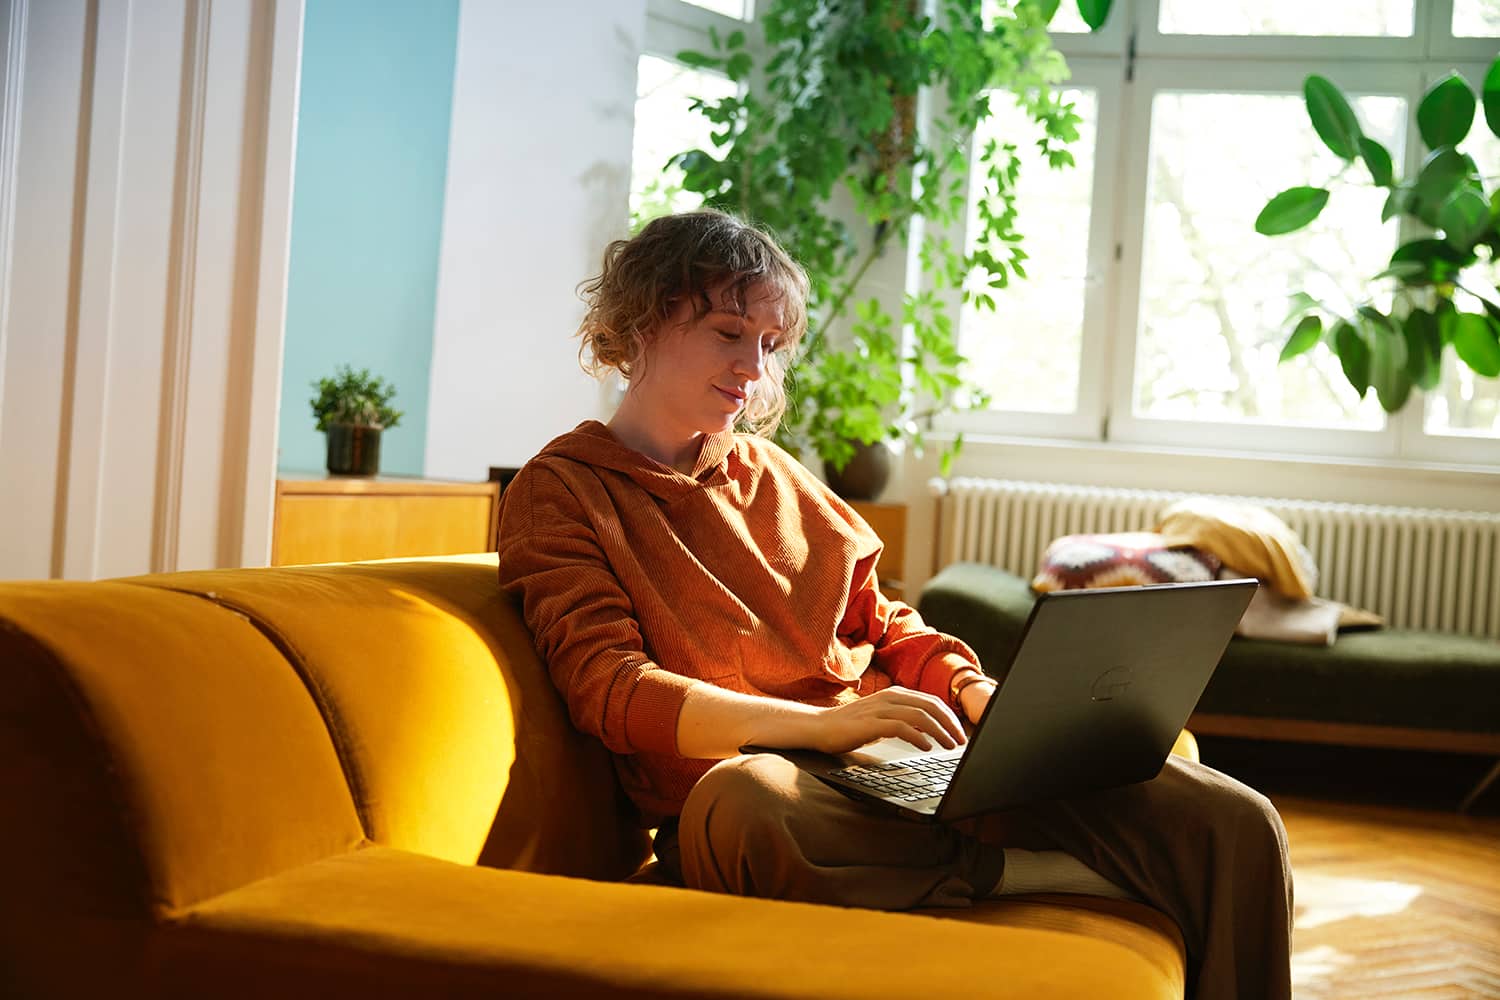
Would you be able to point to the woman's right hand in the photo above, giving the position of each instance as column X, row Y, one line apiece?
column 918, row 718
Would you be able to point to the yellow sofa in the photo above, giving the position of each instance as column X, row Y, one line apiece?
column 356, row 780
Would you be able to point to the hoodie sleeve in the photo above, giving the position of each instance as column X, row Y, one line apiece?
column 906, row 649
column 582, row 622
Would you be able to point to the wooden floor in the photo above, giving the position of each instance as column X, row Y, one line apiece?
column 1397, row 894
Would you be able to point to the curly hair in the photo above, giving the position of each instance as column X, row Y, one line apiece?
column 686, row 256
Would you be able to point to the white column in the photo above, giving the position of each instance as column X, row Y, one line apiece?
column 538, row 183
column 146, row 155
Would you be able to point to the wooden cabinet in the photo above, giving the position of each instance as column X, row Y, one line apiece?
column 889, row 522
column 338, row 519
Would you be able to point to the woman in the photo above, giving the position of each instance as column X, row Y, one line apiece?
column 694, row 590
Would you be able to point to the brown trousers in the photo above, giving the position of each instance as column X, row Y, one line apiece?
column 1198, row 845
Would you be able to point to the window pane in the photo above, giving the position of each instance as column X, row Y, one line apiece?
column 1476, row 18
column 1026, row 350
column 1465, row 403
column 1214, row 293
column 1066, row 19
column 729, row 8
column 665, row 125
column 1287, row 17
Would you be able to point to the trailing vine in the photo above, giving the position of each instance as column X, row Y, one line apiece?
column 826, row 146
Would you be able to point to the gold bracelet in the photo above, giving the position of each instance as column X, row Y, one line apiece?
column 962, row 680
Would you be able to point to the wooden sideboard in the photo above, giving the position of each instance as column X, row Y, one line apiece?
column 889, row 522
column 346, row 518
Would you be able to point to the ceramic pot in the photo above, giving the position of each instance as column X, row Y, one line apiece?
column 352, row 450
column 866, row 475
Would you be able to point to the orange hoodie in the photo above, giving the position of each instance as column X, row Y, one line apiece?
column 638, row 581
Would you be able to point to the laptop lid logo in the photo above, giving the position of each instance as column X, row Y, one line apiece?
column 1111, row 684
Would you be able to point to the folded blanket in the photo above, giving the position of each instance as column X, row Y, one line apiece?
column 1313, row 621
column 1247, row 537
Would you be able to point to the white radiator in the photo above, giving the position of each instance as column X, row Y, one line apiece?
column 1427, row 569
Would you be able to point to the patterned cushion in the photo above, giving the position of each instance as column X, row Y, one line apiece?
column 1126, row 559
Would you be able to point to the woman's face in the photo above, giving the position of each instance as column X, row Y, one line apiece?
column 698, row 373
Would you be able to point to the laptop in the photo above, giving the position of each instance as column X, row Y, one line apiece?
column 1101, row 684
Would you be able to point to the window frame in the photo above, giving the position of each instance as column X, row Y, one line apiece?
column 1132, row 75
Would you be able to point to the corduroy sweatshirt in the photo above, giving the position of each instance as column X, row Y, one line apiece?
column 637, row 581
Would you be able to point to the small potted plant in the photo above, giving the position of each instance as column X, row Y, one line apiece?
column 353, row 407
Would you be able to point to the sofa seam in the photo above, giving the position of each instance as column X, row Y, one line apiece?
column 93, row 733
column 332, row 720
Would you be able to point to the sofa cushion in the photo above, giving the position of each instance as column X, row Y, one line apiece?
column 1120, row 559
column 161, row 751
column 423, row 669
column 1424, row 680
column 385, row 923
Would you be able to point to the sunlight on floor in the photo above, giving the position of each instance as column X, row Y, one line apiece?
column 1326, row 899
column 1317, row 963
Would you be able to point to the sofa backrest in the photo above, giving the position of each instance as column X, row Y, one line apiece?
column 181, row 734
column 451, row 736
column 155, row 750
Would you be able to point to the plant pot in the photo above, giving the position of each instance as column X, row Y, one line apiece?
column 353, row 450
column 866, row 475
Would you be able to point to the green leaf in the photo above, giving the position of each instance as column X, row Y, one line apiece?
column 1388, row 373
column 1404, row 270
column 1094, row 12
column 1424, row 348
column 1464, row 217
column 1446, row 112
column 1491, row 91
column 1307, row 334
column 1378, row 159
column 1476, row 344
column 1398, row 201
column 1439, row 260
column 1442, row 173
column 1301, row 303
column 1332, row 117
column 1354, row 355
column 1048, row 9
column 1291, row 210
column 738, row 66
column 688, row 57
column 735, row 40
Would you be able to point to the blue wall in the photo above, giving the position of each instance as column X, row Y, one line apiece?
column 367, row 211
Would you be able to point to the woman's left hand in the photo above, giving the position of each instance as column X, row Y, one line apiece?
column 974, row 697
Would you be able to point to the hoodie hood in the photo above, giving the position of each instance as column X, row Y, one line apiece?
column 592, row 444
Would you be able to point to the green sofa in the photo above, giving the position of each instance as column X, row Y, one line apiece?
column 1394, row 687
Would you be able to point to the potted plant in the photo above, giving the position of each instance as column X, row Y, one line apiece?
column 1451, row 264
column 827, row 151
column 353, row 407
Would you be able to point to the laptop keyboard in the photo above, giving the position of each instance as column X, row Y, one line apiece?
column 904, row 780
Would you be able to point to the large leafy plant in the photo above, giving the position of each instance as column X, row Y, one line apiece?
column 826, row 148
column 1396, row 348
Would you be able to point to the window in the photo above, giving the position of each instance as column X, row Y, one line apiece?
column 665, row 124
column 1027, row 355
column 737, row 9
column 1153, row 312
column 1286, row 17
column 1213, row 295
column 1476, row 18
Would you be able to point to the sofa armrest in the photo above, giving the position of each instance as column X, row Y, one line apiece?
column 984, row 606
column 381, row 922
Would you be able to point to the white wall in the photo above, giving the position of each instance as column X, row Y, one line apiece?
column 145, row 174
column 538, row 183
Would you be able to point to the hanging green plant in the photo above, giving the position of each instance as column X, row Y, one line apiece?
column 837, row 112
column 1397, row 349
